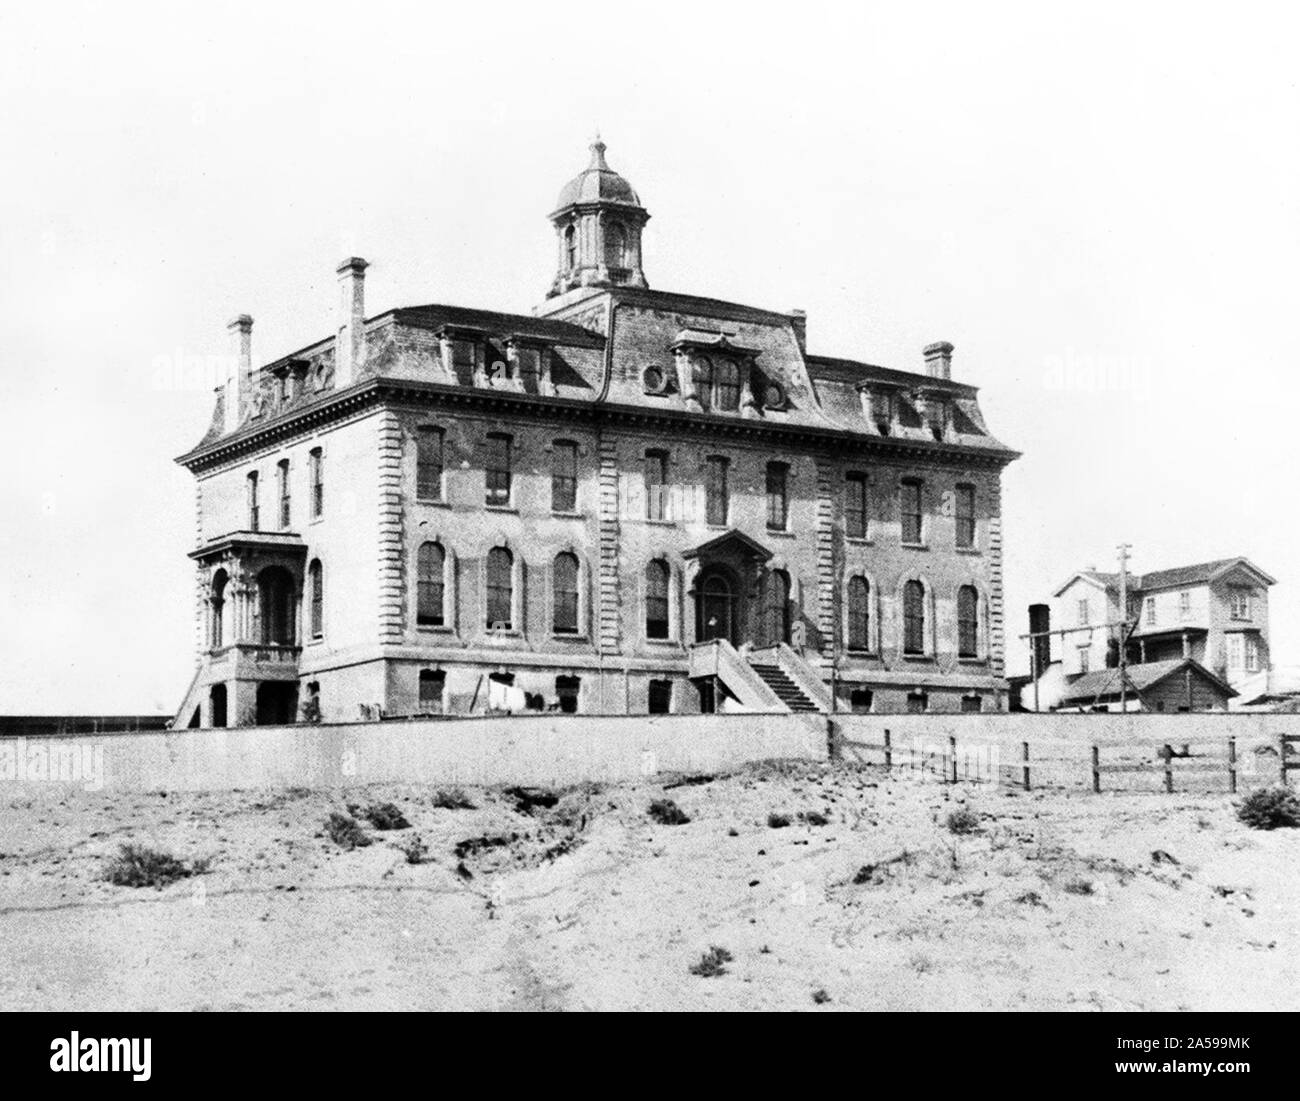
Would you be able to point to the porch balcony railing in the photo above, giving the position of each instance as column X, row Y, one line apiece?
column 261, row 653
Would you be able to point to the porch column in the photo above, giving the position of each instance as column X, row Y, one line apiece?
column 1187, row 645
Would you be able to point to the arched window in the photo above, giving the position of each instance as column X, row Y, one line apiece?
column 968, row 604
column 914, row 618
column 254, row 511
column 656, row 599
column 218, row 603
column 859, row 614
column 702, row 373
column 564, row 594
column 726, row 386
column 778, row 607
column 316, row 585
column 500, row 589
column 616, row 246
column 430, row 595
column 571, row 248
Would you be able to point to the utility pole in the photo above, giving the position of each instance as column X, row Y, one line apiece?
column 1124, row 548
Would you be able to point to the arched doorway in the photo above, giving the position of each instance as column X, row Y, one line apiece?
column 715, row 606
column 275, row 592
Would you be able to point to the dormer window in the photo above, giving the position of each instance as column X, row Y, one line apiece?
column 463, row 355
column 702, row 372
column 726, row 386
column 570, row 248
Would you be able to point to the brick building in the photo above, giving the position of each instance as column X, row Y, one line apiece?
column 629, row 501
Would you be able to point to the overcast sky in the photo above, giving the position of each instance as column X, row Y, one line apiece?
column 1100, row 208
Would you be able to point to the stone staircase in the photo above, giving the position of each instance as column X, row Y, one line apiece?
column 786, row 690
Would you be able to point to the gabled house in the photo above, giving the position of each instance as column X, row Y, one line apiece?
column 1214, row 613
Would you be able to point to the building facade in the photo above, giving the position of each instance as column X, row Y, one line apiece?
column 1215, row 613
column 629, row 501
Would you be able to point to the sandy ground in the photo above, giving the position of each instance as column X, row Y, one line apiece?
column 1058, row 901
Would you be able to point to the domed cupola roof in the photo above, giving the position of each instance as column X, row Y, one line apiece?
column 598, row 184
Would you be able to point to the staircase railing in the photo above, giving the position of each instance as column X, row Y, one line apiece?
column 718, row 658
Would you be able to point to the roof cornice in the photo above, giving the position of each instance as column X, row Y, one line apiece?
column 384, row 390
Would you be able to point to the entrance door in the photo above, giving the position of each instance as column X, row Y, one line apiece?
column 715, row 608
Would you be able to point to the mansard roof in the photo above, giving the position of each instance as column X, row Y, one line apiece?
column 602, row 342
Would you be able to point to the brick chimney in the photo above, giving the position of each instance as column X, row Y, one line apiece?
column 350, row 347
column 240, row 384
column 938, row 360
column 799, row 322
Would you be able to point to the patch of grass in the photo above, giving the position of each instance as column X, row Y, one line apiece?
column 820, row 997
column 414, row 849
column 1079, row 887
column 383, row 816
column 139, row 866
column 778, row 821
column 472, row 846
column 813, row 818
column 346, row 831
column 668, row 813
column 921, row 963
column 452, row 799
column 1270, row 809
column 1031, row 898
column 963, row 821
column 712, row 963
column 527, row 800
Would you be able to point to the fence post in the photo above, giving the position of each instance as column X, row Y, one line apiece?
column 952, row 758
column 1096, row 770
column 889, row 751
column 1281, row 759
column 1232, row 766
column 1024, row 769
column 1168, row 754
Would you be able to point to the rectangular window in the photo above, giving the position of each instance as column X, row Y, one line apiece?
column 1184, row 604
column 1252, row 655
column 1240, row 603
column 432, row 683
column 317, row 464
column 966, row 517
column 564, row 476
column 1151, row 611
column 498, row 469
column 970, row 704
column 1084, row 653
column 282, row 473
column 661, row 697
column 253, row 510
column 910, row 509
column 855, row 506
column 778, row 504
column 1236, row 651
column 717, row 499
column 428, row 464
column 656, row 485
column 917, row 703
column 1084, row 614
column 566, row 689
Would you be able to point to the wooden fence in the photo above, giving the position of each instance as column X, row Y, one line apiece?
column 1204, row 766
